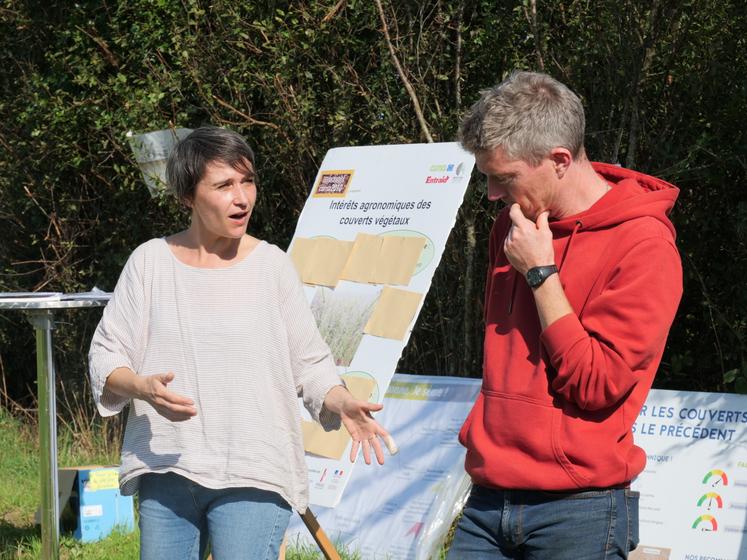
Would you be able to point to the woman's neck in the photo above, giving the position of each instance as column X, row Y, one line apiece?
column 203, row 251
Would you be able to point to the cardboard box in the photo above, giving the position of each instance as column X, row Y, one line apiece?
column 90, row 503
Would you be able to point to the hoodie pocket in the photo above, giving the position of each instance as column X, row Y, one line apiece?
column 557, row 426
column 513, row 442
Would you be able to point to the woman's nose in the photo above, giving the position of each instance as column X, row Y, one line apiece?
column 240, row 196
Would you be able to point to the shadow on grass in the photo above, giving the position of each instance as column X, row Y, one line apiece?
column 14, row 538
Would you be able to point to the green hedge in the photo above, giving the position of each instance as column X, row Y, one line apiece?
column 663, row 83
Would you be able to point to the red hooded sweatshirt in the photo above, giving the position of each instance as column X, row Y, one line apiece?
column 557, row 407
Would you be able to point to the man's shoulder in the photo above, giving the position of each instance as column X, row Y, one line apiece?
column 642, row 228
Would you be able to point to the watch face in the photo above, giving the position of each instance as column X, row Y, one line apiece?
column 538, row 274
column 534, row 277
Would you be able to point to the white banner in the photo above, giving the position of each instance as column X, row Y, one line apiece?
column 399, row 191
column 403, row 509
column 694, row 487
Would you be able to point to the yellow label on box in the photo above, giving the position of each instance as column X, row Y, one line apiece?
column 105, row 479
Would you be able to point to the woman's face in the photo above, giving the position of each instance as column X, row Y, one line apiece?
column 224, row 199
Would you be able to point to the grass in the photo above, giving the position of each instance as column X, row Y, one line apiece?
column 79, row 443
column 341, row 318
column 19, row 492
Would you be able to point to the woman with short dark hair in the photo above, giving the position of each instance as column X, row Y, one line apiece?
column 210, row 339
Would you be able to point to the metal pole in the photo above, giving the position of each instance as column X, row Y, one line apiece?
column 43, row 322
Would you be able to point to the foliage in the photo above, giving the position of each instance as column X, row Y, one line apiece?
column 662, row 80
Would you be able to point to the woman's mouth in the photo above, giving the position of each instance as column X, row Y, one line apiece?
column 239, row 216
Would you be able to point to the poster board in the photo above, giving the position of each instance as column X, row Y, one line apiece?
column 367, row 243
column 403, row 509
column 694, row 488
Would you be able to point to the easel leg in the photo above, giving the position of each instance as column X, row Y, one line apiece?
column 325, row 545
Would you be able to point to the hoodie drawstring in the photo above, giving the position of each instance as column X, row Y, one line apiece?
column 578, row 226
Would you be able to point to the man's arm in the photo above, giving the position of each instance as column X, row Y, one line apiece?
column 624, row 327
column 528, row 245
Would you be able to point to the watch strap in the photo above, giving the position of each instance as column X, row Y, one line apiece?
column 538, row 274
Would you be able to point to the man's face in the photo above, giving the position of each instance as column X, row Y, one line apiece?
column 515, row 181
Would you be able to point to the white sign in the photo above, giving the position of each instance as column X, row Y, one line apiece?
column 152, row 150
column 403, row 191
column 403, row 509
column 694, row 488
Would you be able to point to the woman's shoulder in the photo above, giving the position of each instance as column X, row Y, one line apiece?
column 273, row 250
column 145, row 254
column 275, row 256
column 151, row 248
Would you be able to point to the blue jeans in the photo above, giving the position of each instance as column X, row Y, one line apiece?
column 177, row 516
column 536, row 525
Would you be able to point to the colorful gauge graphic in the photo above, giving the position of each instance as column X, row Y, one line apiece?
column 718, row 476
column 426, row 256
column 362, row 374
column 711, row 499
column 706, row 523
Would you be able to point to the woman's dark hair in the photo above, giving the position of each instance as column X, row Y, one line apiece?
column 191, row 155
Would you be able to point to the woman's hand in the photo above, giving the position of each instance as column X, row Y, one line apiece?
column 365, row 431
column 357, row 419
column 151, row 389
column 170, row 405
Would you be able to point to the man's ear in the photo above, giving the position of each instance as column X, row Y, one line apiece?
column 561, row 159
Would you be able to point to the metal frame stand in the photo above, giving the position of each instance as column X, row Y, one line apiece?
column 40, row 313
column 43, row 323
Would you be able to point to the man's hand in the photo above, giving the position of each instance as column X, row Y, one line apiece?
column 174, row 407
column 528, row 244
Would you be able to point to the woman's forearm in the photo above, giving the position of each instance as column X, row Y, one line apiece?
column 336, row 398
column 125, row 383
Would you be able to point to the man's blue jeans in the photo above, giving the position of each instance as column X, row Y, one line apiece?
column 536, row 525
column 177, row 516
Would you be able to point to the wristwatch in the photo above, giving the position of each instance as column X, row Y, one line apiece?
column 538, row 274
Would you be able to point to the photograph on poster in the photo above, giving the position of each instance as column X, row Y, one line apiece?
column 341, row 315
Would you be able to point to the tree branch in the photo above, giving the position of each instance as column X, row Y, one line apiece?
column 458, row 57
column 405, row 81
column 333, row 12
column 249, row 119
column 532, row 20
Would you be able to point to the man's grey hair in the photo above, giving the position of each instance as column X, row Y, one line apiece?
column 527, row 114
column 191, row 155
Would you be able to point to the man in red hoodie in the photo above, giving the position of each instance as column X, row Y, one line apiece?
column 583, row 284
